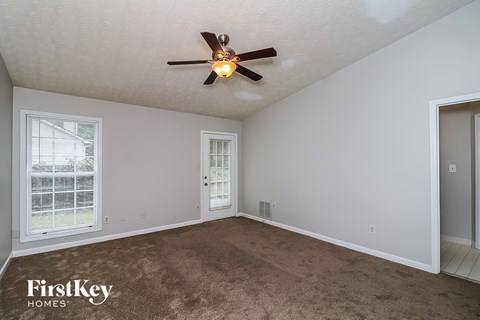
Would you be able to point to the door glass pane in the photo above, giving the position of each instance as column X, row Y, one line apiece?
column 220, row 197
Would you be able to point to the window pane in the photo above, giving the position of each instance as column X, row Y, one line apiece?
column 42, row 202
column 66, row 150
column 64, row 183
column 85, row 183
column 85, row 216
column 64, row 154
column 64, row 200
column 85, row 164
column 42, row 155
column 35, row 131
column 46, row 129
column 67, row 126
column 41, row 221
column 46, row 147
column 86, row 131
column 42, row 184
column 85, row 199
column 89, row 148
column 65, row 147
column 64, row 218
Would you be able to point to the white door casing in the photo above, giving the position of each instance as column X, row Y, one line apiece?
column 219, row 175
column 435, row 173
column 477, row 181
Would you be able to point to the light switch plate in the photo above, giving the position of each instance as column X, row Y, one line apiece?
column 452, row 168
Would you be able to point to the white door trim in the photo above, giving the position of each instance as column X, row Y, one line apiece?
column 435, row 167
column 477, row 181
column 202, row 189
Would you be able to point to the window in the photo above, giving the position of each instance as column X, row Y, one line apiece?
column 61, row 174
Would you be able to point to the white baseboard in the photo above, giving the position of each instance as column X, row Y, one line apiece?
column 53, row 247
column 376, row 253
column 453, row 239
column 5, row 265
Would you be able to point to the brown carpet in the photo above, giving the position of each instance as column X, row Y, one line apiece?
column 235, row 269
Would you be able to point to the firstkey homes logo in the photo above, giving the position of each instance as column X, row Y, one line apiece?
column 96, row 294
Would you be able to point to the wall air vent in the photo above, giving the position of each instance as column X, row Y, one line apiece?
column 265, row 210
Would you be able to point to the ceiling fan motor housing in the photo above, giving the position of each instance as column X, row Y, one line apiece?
column 228, row 53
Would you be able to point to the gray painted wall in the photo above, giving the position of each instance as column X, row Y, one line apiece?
column 353, row 149
column 151, row 161
column 456, row 188
column 6, row 100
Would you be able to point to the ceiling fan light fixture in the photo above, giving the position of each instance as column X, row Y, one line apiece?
column 224, row 68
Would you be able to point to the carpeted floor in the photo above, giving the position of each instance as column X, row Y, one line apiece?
column 234, row 269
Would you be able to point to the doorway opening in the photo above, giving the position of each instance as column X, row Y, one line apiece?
column 455, row 136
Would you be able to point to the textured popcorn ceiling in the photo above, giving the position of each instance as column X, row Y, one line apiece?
column 117, row 49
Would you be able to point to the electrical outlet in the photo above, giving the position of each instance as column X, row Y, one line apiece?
column 106, row 219
column 371, row 229
column 274, row 205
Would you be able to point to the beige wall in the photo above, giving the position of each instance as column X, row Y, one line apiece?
column 353, row 149
column 151, row 161
column 6, row 93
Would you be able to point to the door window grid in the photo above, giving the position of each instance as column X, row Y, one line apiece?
column 220, row 179
column 61, row 183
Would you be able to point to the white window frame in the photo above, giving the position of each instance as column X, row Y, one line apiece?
column 25, row 236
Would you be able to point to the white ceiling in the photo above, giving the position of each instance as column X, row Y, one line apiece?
column 117, row 49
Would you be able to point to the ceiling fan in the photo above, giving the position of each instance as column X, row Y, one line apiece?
column 224, row 59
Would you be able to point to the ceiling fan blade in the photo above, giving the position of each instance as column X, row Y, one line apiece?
column 212, row 42
column 175, row 63
column 248, row 73
column 257, row 54
column 211, row 78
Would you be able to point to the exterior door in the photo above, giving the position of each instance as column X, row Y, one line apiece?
column 219, row 175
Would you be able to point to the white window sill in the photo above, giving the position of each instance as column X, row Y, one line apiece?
column 58, row 234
